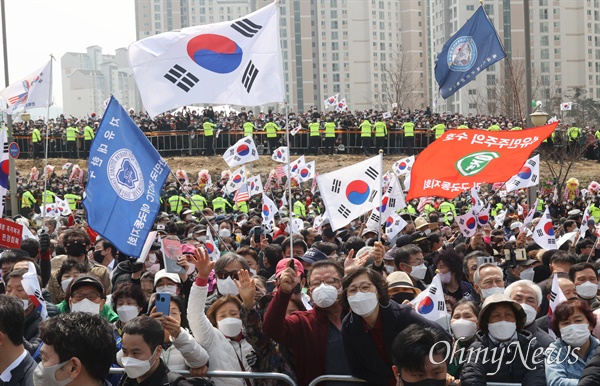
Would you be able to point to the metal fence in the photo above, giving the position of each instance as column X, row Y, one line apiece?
column 178, row 143
column 229, row 374
column 350, row 379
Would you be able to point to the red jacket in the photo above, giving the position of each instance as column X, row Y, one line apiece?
column 304, row 332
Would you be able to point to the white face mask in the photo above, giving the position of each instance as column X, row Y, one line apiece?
column 463, row 328
column 575, row 334
column 134, row 368
column 126, row 313
column 363, row 303
column 487, row 292
column 86, row 305
column 65, row 283
column 389, row 268
column 530, row 312
column 224, row 232
column 527, row 274
column 227, row 287
column 419, row 272
column 502, row 330
column 445, row 278
column 201, row 239
column 253, row 272
column 170, row 289
column 587, row 290
column 25, row 303
column 152, row 258
column 215, row 227
column 46, row 376
column 324, row 295
column 230, row 327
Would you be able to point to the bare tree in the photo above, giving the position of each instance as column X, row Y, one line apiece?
column 561, row 154
column 401, row 82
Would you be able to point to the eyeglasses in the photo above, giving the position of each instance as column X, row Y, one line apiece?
column 363, row 287
column 328, row 281
column 79, row 296
column 224, row 275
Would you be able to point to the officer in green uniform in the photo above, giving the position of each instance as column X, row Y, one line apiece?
column 314, row 136
column 71, row 134
column 209, row 128
column 380, row 134
column 72, row 199
column 438, row 129
column 176, row 203
column 36, row 140
column 242, row 206
column 299, row 209
column 271, row 128
column 28, row 202
column 220, row 204
column 329, row 136
column 464, row 126
column 409, row 136
column 248, row 128
column 494, row 127
column 88, row 137
column 366, row 130
column 198, row 202
column 48, row 197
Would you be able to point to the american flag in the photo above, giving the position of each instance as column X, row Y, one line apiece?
column 424, row 201
column 280, row 171
column 241, row 194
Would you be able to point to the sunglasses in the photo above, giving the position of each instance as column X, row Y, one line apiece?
column 225, row 275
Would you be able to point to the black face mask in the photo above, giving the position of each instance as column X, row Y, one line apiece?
column 76, row 249
column 400, row 297
column 329, row 233
column 98, row 257
column 60, row 251
column 318, row 238
column 426, row 382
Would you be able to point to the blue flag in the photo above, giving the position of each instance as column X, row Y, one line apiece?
column 471, row 50
column 126, row 176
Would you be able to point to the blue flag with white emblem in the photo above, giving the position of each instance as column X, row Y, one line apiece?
column 469, row 51
column 125, row 178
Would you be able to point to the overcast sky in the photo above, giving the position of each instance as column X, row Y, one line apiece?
column 37, row 28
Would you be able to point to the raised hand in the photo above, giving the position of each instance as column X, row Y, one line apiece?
column 289, row 278
column 246, row 287
column 202, row 262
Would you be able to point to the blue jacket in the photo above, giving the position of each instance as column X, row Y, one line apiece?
column 563, row 367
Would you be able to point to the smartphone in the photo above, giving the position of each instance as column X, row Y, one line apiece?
column 163, row 303
column 257, row 231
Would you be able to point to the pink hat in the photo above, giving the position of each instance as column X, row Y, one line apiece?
column 187, row 249
column 283, row 264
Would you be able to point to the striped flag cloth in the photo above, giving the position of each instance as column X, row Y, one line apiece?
column 280, row 171
column 241, row 194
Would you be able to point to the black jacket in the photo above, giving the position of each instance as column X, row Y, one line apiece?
column 361, row 352
column 32, row 332
column 160, row 377
column 22, row 375
column 591, row 373
column 511, row 369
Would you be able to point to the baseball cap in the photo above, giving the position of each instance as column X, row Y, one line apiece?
column 171, row 276
column 312, row 255
column 187, row 249
column 283, row 263
column 418, row 236
column 516, row 224
column 80, row 281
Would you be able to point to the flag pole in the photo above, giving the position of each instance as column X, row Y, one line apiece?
column 290, row 205
column 380, row 191
column 46, row 148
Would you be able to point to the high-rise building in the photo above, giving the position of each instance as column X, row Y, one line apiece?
column 89, row 78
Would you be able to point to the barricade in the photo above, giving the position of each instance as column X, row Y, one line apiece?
column 350, row 379
column 228, row 374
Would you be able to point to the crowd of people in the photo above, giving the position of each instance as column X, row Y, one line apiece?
column 301, row 300
column 323, row 129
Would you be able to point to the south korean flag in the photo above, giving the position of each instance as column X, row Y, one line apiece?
column 307, row 171
column 255, row 185
column 242, row 152
column 351, row 191
column 393, row 225
column 237, row 179
column 281, row 154
column 528, row 176
column 543, row 234
column 404, row 165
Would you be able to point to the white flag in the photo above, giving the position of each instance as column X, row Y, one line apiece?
column 341, row 105
column 467, row 223
column 543, row 234
column 268, row 210
column 584, row 222
column 529, row 217
column 393, row 225
column 483, row 217
column 387, row 115
column 294, row 167
column 407, row 181
column 499, row 219
column 211, row 246
column 351, row 191
column 566, row 106
column 373, row 220
column 393, row 198
column 4, row 169
column 431, row 303
column 35, row 90
column 529, row 175
column 235, row 62
column 281, row 154
column 404, row 165
column 255, row 185
column 62, row 207
column 237, row 179
column 31, row 285
column 331, row 101
column 307, row 171
column 476, row 203
column 556, row 297
column 295, row 130
column 242, row 152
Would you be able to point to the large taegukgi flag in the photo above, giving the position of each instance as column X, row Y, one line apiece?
column 235, row 62
column 462, row 159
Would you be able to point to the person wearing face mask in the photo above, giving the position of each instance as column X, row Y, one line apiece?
column 373, row 320
column 501, row 322
column 68, row 271
column 76, row 242
column 449, row 265
column 16, row 364
column 105, row 253
column 128, row 301
column 314, row 336
column 523, row 270
column 219, row 330
column 251, row 258
column 425, row 363
column 409, row 259
column 585, row 278
column 488, row 280
column 400, row 288
column 66, row 355
column 572, row 322
column 529, row 296
column 167, row 282
column 86, row 294
column 569, row 291
column 226, row 270
column 141, row 355
column 463, row 325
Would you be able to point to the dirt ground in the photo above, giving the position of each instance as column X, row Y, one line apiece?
column 585, row 171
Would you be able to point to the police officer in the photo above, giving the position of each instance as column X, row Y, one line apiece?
column 248, row 128
column 438, row 129
column 36, row 140
column 176, row 203
column 220, row 204
column 380, row 134
column 366, row 130
column 88, row 137
column 209, row 129
column 72, row 199
column 314, row 136
column 198, row 201
column 271, row 129
column 329, row 136
column 28, row 201
column 408, row 127
column 71, row 134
